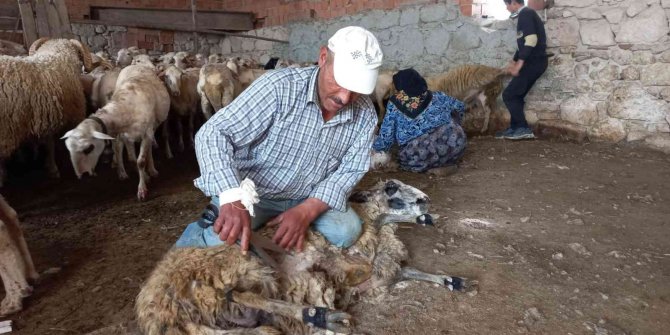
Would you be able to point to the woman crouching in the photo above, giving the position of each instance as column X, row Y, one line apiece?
column 426, row 125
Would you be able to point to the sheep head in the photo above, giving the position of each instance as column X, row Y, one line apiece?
column 392, row 201
column 173, row 79
column 85, row 144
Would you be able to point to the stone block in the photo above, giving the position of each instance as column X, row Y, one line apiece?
column 614, row 15
column 633, row 102
column 433, row 13
column 630, row 73
column 579, row 110
column 649, row 26
column 575, row 3
column 609, row 130
column 561, row 129
column 656, row 74
column 596, row 33
column 409, row 16
column 562, row 32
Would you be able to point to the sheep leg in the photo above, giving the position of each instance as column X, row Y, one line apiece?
column 12, row 271
column 151, row 168
column 118, row 159
column 452, row 283
column 487, row 111
column 52, row 168
column 191, row 127
column 130, row 150
column 11, row 220
column 180, row 134
column 166, row 139
column 196, row 329
column 2, row 172
column 145, row 150
column 336, row 321
column 206, row 106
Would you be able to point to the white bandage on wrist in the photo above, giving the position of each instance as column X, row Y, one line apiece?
column 246, row 194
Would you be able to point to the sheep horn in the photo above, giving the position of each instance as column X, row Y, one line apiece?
column 85, row 54
column 36, row 45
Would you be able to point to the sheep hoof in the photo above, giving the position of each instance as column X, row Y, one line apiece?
column 11, row 305
column 123, row 175
column 142, row 194
column 153, row 172
column 324, row 318
column 460, row 284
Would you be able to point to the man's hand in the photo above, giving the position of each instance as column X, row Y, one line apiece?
column 294, row 222
column 515, row 68
column 234, row 223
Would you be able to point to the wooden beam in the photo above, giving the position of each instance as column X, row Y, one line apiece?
column 196, row 40
column 43, row 26
column 202, row 31
column 28, row 20
column 174, row 19
column 63, row 18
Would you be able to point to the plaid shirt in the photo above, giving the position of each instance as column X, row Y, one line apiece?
column 274, row 134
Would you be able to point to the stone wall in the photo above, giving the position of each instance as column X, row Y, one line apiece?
column 609, row 79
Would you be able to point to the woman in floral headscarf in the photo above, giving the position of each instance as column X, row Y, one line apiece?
column 426, row 125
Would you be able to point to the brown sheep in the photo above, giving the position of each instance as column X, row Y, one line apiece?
column 477, row 85
column 217, row 290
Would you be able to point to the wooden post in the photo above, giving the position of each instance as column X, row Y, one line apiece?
column 196, row 41
column 60, row 9
column 28, row 20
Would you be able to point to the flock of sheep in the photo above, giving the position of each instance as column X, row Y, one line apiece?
column 61, row 84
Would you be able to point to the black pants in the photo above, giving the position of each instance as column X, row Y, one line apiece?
column 516, row 91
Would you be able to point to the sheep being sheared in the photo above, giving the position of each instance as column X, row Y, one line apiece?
column 203, row 291
column 478, row 86
column 140, row 103
column 41, row 94
column 16, row 265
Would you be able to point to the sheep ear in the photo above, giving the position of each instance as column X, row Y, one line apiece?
column 101, row 136
column 68, row 134
column 360, row 196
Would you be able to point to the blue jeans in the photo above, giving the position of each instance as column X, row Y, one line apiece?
column 341, row 229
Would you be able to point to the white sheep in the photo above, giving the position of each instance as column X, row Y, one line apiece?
column 184, row 98
column 217, row 87
column 209, row 290
column 182, row 60
column 16, row 265
column 40, row 94
column 140, row 103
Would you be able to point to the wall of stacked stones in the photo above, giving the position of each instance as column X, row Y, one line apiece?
column 609, row 79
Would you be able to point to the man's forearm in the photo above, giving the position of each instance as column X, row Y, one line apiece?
column 314, row 208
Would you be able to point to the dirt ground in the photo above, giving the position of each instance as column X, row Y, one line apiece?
column 564, row 238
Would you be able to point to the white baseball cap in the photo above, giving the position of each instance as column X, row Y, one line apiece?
column 357, row 59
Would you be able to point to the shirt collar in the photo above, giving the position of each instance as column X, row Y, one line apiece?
column 345, row 114
column 515, row 14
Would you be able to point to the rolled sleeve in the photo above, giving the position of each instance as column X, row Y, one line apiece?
column 335, row 189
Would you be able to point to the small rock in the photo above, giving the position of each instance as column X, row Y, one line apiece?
column 524, row 219
column 435, row 251
column 440, row 245
column 96, row 289
column 531, row 316
column 51, row 271
column 475, row 255
column 580, row 249
column 576, row 222
column 615, row 254
column 557, row 256
column 604, row 296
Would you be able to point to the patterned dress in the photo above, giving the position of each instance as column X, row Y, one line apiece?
column 427, row 129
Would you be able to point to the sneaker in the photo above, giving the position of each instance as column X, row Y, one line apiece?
column 504, row 134
column 523, row 133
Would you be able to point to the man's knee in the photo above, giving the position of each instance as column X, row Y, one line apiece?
column 341, row 229
column 350, row 233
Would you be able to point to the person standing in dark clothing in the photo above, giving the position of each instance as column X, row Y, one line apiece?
column 529, row 63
